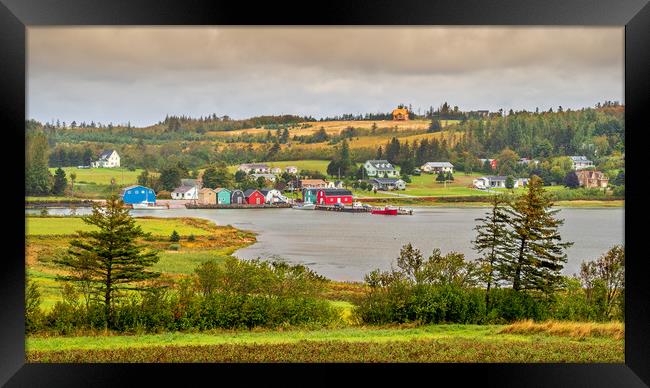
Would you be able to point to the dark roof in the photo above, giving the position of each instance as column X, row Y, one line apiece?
column 383, row 165
column 183, row 189
column 105, row 154
column 264, row 191
column 249, row 192
column 191, row 182
column 386, row 180
column 336, row 192
column 497, row 178
column 235, row 191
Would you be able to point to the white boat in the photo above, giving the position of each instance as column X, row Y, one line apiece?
column 305, row 206
column 148, row 206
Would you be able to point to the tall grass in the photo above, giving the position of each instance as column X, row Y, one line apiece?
column 614, row 330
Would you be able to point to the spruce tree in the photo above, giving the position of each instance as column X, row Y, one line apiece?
column 494, row 243
column 60, row 182
column 108, row 259
column 539, row 254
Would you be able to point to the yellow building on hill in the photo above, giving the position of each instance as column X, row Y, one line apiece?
column 400, row 114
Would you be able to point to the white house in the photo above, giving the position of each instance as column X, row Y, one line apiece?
column 254, row 168
column 291, row 169
column 581, row 162
column 436, row 167
column 273, row 196
column 380, row 169
column 387, row 183
column 276, row 170
column 496, row 182
column 268, row 177
column 186, row 192
column 107, row 159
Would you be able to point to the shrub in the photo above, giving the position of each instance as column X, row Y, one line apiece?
column 174, row 247
column 175, row 237
column 191, row 238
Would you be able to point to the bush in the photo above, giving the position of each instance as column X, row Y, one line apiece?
column 163, row 194
column 174, row 247
column 191, row 238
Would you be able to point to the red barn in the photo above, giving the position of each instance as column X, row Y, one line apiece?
column 332, row 196
column 254, row 197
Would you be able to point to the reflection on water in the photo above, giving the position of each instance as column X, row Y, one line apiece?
column 345, row 246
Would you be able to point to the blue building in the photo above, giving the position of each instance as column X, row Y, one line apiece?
column 138, row 194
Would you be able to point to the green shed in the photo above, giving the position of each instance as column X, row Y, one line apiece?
column 309, row 195
column 223, row 196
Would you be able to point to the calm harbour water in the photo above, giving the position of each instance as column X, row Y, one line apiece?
column 345, row 246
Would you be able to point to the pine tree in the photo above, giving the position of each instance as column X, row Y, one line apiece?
column 37, row 175
column 108, row 259
column 494, row 243
column 539, row 253
column 571, row 180
column 60, row 182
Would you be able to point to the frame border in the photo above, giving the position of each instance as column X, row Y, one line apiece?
column 16, row 16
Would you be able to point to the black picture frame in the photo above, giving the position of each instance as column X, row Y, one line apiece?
column 17, row 15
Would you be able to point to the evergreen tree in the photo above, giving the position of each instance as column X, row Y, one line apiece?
column 435, row 126
column 175, row 237
column 539, row 254
column 510, row 182
column 109, row 259
column 170, row 178
column 37, row 175
column 441, row 178
column 494, row 243
column 217, row 176
column 60, row 182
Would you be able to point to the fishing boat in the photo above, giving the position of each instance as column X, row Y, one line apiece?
column 304, row 206
column 148, row 206
column 387, row 211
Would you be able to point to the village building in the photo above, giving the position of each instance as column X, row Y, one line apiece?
column 273, row 196
column 380, row 169
column 207, row 196
column 592, row 179
column 437, row 167
column 479, row 113
column 185, row 192
column 581, row 162
column 254, row 197
column 268, row 177
column 107, row 159
column 259, row 168
column 223, row 196
column 291, row 169
column 528, row 161
column 400, row 114
column 309, row 195
column 138, row 194
column 312, row 184
column 338, row 184
column 333, row 196
column 387, row 183
column 237, row 197
column 276, row 170
column 496, row 182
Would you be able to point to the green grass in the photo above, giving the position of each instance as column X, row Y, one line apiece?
column 431, row 343
column 184, row 261
column 102, row 176
column 69, row 225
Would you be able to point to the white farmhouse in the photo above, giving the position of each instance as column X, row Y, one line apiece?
column 268, row 177
column 107, row 159
column 581, row 162
column 186, row 192
column 273, row 196
column 436, row 167
column 496, row 182
column 380, row 169
column 256, row 168
column 291, row 169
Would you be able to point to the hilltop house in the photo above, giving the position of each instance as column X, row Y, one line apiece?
column 380, row 169
column 400, row 114
column 185, row 192
column 581, row 162
column 387, row 183
column 268, row 177
column 592, row 179
column 259, row 168
column 332, row 196
column 312, row 184
column 496, row 182
column 137, row 194
column 107, row 159
column 207, row 196
column 291, row 169
column 276, row 170
column 437, row 167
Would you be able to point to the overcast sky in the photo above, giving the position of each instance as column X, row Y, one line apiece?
column 121, row 74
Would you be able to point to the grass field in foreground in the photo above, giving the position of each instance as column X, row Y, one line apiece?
column 431, row 343
column 69, row 225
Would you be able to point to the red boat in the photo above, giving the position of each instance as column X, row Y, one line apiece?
column 385, row 211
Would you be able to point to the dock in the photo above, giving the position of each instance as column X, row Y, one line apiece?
column 342, row 209
column 237, row 206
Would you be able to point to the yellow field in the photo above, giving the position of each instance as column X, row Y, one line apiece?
column 335, row 127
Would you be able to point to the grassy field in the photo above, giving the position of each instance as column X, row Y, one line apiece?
column 431, row 343
column 47, row 237
column 102, row 176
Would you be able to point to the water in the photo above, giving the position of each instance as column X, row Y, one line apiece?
column 345, row 246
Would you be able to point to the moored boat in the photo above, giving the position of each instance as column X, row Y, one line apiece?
column 304, row 206
column 148, row 206
column 387, row 211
